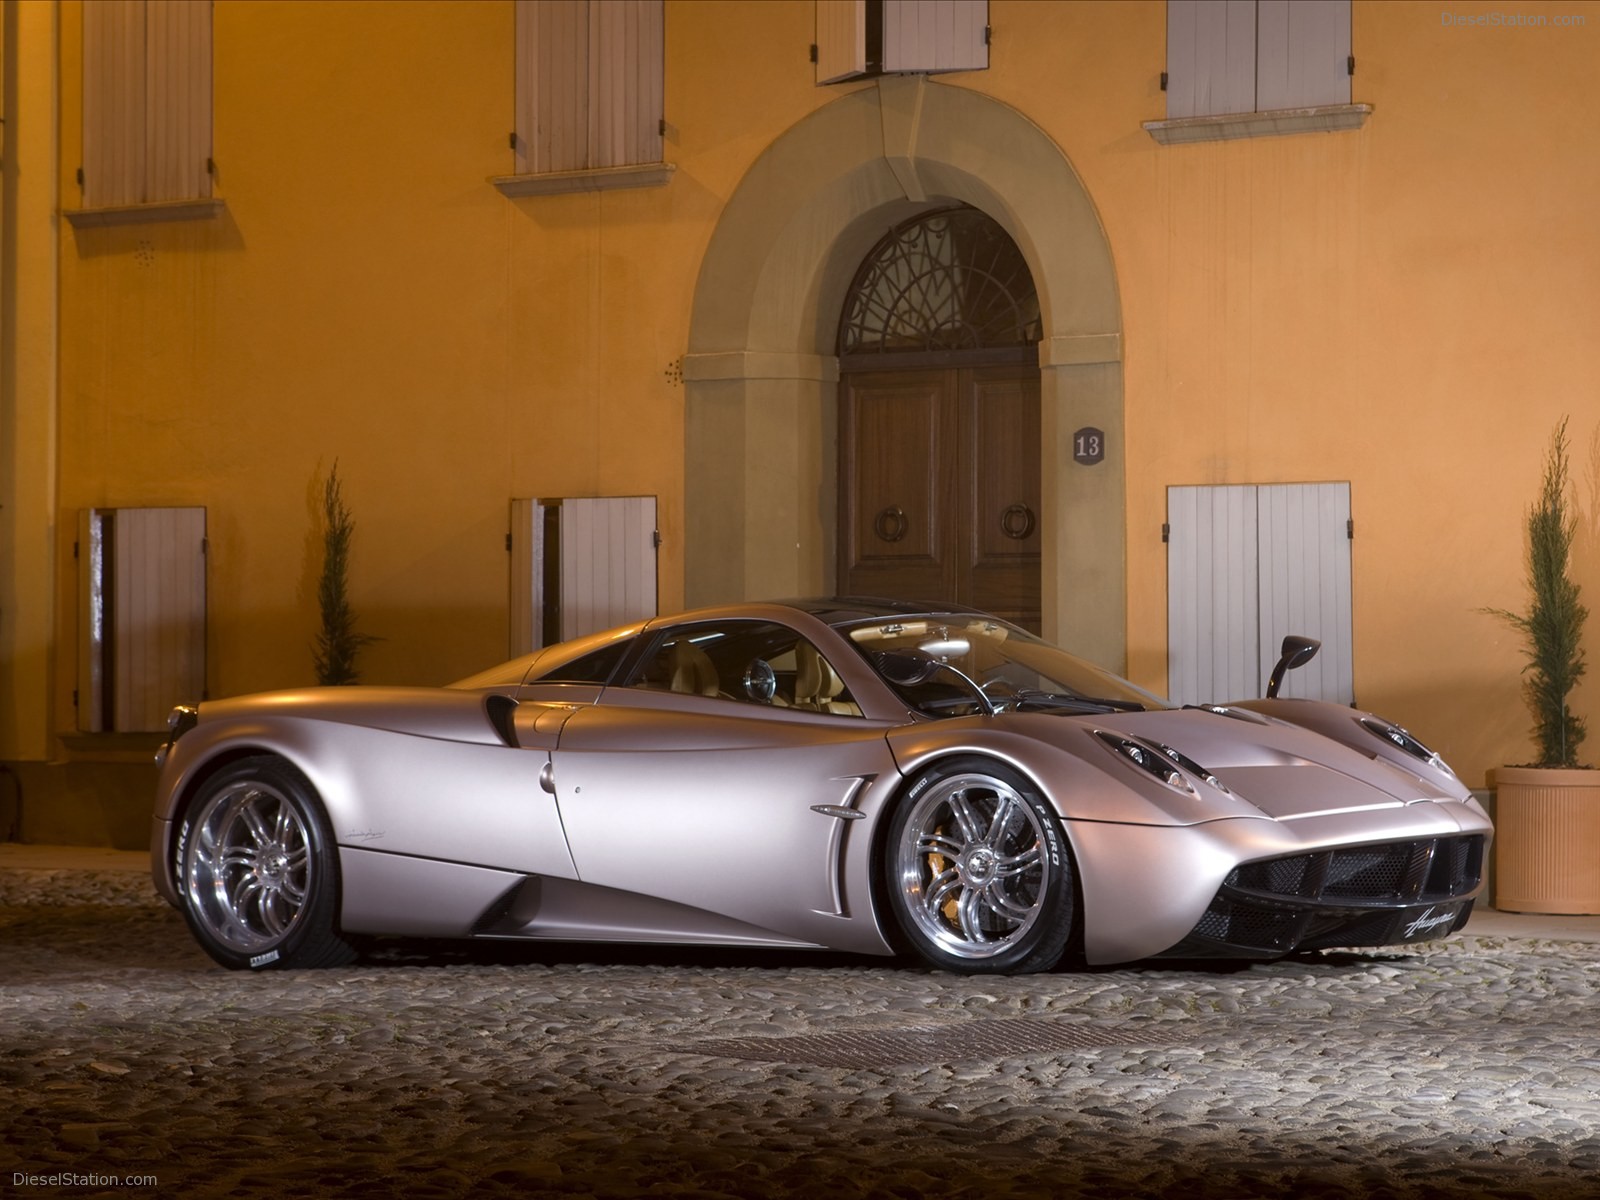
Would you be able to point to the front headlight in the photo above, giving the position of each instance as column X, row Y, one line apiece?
column 1171, row 767
column 1396, row 736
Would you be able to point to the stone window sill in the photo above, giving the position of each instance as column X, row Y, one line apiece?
column 1325, row 118
column 552, row 183
column 143, row 214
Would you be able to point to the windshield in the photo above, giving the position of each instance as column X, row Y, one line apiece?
column 1014, row 669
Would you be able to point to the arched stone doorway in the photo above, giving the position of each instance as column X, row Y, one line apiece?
column 761, row 373
column 939, row 472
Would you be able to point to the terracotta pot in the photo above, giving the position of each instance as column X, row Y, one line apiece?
column 1547, row 840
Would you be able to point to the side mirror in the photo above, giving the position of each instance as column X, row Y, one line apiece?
column 1297, row 652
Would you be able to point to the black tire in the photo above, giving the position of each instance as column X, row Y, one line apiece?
column 977, row 870
column 258, row 872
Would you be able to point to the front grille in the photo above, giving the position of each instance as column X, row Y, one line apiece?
column 1386, row 874
column 1350, row 896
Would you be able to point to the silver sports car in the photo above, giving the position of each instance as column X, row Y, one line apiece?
column 861, row 775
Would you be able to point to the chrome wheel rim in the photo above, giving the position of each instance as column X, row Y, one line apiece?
column 247, row 871
column 971, row 866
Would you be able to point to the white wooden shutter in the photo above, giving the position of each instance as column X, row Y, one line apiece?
column 1304, row 540
column 1303, row 55
column 144, row 616
column 552, row 85
column 589, row 84
column 935, row 35
column 579, row 566
column 113, row 102
column 1247, row 565
column 1211, row 57
column 177, row 99
column 146, row 101
column 608, row 563
column 841, row 39
column 1213, row 634
column 625, row 73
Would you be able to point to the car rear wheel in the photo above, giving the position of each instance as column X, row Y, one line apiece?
column 978, row 870
column 257, row 870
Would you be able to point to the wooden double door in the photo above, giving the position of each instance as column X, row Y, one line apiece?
column 939, row 473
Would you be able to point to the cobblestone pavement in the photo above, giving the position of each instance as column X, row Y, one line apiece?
column 1468, row 1067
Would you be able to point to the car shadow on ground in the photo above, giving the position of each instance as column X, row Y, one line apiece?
column 413, row 952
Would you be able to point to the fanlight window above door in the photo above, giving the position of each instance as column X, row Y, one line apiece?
column 951, row 280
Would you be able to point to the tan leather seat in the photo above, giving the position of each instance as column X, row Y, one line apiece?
column 692, row 672
column 817, row 685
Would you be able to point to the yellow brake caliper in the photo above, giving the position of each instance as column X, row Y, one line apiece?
column 936, row 863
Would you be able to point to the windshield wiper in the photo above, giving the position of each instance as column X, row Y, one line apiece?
column 1034, row 697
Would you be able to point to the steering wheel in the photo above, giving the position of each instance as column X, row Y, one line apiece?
column 760, row 681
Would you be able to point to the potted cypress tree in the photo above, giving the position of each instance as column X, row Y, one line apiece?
column 337, row 643
column 1547, row 814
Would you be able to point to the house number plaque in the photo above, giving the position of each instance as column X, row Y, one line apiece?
column 1088, row 446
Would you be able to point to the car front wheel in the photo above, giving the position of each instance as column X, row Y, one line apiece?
column 258, row 872
column 978, row 870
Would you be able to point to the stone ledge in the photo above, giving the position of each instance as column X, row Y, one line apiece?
column 551, row 183
column 1325, row 118
column 144, row 214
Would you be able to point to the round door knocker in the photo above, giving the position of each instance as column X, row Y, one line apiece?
column 1017, row 522
column 890, row 524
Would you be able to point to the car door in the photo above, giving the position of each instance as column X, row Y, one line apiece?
column 726, row 773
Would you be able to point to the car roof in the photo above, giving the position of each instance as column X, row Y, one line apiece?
column 839, row 611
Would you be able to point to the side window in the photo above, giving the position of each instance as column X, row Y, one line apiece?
column 594, row 667
column 756, row 662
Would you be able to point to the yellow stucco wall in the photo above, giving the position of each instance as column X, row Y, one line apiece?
column 1409, row 307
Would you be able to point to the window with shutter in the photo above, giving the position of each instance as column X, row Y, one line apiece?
column 579, row 566
column 589, row 96
column 146, row 103
column 142, row 590
column 1247, row 564
column 860, row 38
column 1246, row 68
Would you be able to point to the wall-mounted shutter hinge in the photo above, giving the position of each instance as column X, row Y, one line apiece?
column 74, row 549
column 1163, row 81
column 661, row 127
column 988, row 34
column 80, row 176
column 211, row 166
column 1350, row 65
column 511, row 138
column 1350, row 529
column 74, row 697
column 205, row 547
column 655, row 538
column 813, row 52
column 1166, row 532
column 508, row 543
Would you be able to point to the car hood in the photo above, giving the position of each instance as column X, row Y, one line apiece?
column 1286, row 772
